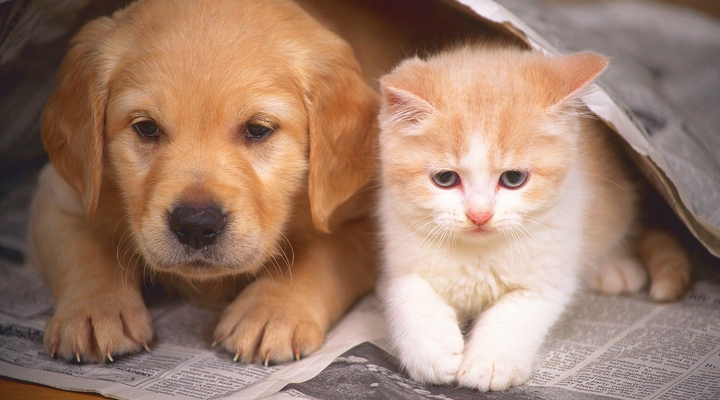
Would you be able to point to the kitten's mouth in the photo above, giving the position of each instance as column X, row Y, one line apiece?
column 482, row 230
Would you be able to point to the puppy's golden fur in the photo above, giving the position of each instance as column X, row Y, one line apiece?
column 211, row 145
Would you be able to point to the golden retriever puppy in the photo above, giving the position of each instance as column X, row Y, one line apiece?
column 209, row 145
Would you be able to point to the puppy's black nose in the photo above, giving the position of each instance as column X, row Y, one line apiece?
column 197, row 225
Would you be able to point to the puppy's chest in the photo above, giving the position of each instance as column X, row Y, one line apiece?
column 212, row 294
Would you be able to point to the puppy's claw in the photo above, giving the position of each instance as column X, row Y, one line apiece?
column 218, row 339
column 237, row 356
column 53, row 351
column 266, row 361
column 77, row 357
column 145, row 346
column 109, row 357
column 297, row 355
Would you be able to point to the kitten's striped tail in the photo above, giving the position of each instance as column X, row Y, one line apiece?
column 667, row 264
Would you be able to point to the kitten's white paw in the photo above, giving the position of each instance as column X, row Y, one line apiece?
column 434, row 353
column 423, row 329
column 621, row 275
column 493, row 373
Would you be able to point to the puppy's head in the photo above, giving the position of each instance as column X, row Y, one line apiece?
column 214, row 120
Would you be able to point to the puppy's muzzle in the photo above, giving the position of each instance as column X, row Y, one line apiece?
column 197, row 225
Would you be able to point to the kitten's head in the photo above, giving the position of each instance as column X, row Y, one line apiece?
column 481, row 140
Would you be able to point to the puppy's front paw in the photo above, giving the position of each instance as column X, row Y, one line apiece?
column 96, row 327
column 498, row 372
column 265, row 324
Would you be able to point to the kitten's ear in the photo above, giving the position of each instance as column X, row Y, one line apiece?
column 401, row 107
column 573, row 73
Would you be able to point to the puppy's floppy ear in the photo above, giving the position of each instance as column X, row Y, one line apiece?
column 74, row 117
column 343, row 132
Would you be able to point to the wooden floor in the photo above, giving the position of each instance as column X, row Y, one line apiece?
column 15, row 390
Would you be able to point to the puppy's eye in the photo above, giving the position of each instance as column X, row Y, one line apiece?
column 257, row 131
column 147, row 129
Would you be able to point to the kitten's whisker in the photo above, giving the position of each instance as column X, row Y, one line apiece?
column 370, row 187
column 537, row 246
column 429, row 220
column 431, row 240
column 536, row 221
column 454, row 244
column 443, row 235
column 508, row 235
column 444, row 232
column 605, row 179
column 528, row 234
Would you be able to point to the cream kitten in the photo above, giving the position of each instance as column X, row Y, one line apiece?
column 498, row 198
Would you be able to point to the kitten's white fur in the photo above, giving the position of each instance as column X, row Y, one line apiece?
column 430, row 286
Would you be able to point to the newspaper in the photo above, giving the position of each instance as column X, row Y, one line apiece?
column 181, row 364
column 603, row 347
column 622, row 347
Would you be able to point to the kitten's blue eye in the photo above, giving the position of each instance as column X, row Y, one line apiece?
column 446, row 179
column 513, row 179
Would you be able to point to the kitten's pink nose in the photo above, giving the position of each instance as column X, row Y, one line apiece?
column 479, row 217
